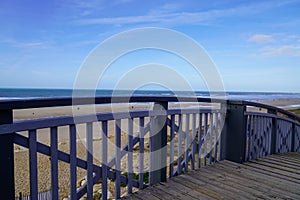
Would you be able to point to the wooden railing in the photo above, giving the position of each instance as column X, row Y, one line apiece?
column 179, row 140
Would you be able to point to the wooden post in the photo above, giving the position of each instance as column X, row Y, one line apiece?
column 158, row 150
column 233, row 138
column 7, row 188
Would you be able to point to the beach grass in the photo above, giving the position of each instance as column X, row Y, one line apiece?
column 295, row 111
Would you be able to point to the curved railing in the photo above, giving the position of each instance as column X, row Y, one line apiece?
column 273, row 131
column 158, row 144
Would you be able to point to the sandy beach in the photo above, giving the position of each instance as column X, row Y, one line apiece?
column 21, row 154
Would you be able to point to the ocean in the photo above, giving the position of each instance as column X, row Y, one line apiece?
column 21, row 93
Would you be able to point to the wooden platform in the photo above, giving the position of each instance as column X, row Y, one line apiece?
column 274, row 177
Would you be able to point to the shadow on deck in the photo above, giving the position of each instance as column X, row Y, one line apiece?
column 273, row 177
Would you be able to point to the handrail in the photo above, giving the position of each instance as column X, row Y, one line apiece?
column 271, row 108
column 8, row 104
column 23, row 125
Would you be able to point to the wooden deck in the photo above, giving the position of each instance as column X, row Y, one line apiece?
column 274, row 177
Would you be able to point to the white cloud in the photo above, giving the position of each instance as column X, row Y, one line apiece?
column 166, row 16
column 28, row 44
column 261, row 38
column 286, row 50
column 171, row 14
column 164, row 9
column 276, row 44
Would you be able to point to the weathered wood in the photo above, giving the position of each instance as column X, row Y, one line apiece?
column 161, row 194
column 281, row 164
column 73, row 162
column 54, row 162
column 268, row 172
column 244, row 179
column 259, row 179
column 183, row 191
column 291, row 157
column 174, row 192
column 158, row 142
column 262, row 178
column 33, row 172
column 225, row 187
column 292, row 165
column 274, row 169
column 206, row 187
column 233, row 136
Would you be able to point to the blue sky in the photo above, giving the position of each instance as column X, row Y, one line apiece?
column 254, row 44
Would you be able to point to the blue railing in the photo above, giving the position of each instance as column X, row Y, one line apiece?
column 274, row 131
column 158, row 144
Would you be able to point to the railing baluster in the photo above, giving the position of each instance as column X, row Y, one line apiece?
column 285, row 137
column 278, row 123
column 255, row 152
column 220, row 127
column 215, row 135
column 250, row 134
column 194, row 147
column 187, row 143
column 33, row 164
column 199, row 140
column 73, row 162
column 104, row 159
column 54, row 162
column 130, row 156
column 141, row 153
column 266, row 136
column 205, row 138
column 261, row 130
column 179, row 144
column 263, row 144
column 118, row 158
column 172, row 129
column 290, row 137
column 263, row 136
column 89, row 156
column 210, row 137
column 270, row 123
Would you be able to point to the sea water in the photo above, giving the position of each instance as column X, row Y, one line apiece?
column 20, row 93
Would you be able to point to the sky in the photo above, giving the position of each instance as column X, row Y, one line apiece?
column 255, row 45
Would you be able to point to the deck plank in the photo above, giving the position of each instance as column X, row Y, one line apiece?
column 255, row 182
column 274, row 177
column 265, row 172
column 291, row 165
column 265, row 179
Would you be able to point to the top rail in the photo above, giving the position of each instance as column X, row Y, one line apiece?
column 69, row 101
column 10, row 104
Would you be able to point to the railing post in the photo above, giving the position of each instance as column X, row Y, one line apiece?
column 234, row 135
column 274, row 132
column 293, row 138
column 7, row 188
column 158, row 144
